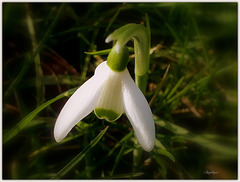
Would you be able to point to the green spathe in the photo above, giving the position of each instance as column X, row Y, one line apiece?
column 118, row 61
column 141, row 39
column 106, row 114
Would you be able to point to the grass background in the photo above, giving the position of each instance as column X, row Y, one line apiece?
column 194, row 103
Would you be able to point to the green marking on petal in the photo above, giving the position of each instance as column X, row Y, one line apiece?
column 106, row 114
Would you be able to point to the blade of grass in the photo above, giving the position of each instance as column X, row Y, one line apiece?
column 25, row 121
column 203, row 140
column 148, row 27
column 111, row 152
column 192, row 84
column 167, row 90
column 171, row 127
column 200, row 38
column 214, row 146
column 185, row 45
column 87, row 58
column 171, row 29
column 117, row 160
column 123, row 140
column 38, row 70
column 162, row 166
column 167, row 154
column 114, row 17
column 175, row 87
column 106, row 51
column 102, row 52
column 54, row 144
column 80, row 156
column 182, row 92
column 125, row 176
column 159, row 85
column 36, row 52
column 161, row 149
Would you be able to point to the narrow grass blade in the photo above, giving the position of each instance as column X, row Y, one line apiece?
column 111, row 152
column 162, row 165
column 80, row 156
column 87, row 58
column 37, row 60
column 167, row 154
column 25, row 121
column 102, row 52
column 201, row 140
column 171, row 127
column 159, row 85
column 167, row 90
column 114, row 17
column 200, row 38
column 214, row 146
column 185, row 45
column 106, row 51
column 182, row 92
column 125, row 176
column 149, row 36
column 117, row 160
column 175, row 87
column 54, row 144
column 123, row 140
column 171, row 29
column 192, row 84
column 36, row 52
column 148, row 27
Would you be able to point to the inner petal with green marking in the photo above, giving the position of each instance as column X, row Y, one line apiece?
column 110, row 106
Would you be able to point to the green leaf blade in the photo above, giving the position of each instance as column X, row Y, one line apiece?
column 25, row 121
column 80, row 156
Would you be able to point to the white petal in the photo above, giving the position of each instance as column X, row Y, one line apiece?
column 138, row 112
column 81, row 103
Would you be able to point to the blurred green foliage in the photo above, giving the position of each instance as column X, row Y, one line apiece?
column 194, row 103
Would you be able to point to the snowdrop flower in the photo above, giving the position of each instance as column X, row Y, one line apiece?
column 110, row 92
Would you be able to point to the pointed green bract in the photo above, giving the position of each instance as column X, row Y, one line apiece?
column 106, row 114
column 140, row 36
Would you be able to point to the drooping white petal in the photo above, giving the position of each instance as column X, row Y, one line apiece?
column 81, row 103
column 138, row 112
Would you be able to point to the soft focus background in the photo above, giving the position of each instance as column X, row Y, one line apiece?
column 194, row 102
